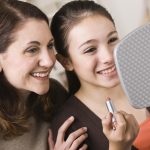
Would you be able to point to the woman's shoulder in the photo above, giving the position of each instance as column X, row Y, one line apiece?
column 33, row 139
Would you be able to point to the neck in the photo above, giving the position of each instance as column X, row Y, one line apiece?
column 99, row 95
column 96, row 98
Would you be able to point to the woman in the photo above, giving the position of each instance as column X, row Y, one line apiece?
column 85, row 36
column 26, row 92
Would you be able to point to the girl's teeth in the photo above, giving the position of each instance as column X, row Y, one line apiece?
column 108, row 70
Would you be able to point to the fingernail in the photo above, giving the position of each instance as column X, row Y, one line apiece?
column 85, row 128
column 71, row 118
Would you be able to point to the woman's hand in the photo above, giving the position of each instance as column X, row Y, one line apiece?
column 72, row 142
column 126, row 130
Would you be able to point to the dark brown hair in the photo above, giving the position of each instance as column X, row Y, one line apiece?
column 14, row 114
column 64, row 20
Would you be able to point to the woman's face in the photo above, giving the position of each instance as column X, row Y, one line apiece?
column 91, row 44
column 30, row 58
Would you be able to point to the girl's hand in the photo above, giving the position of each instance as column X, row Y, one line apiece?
column 72, row 142
column 126, row 130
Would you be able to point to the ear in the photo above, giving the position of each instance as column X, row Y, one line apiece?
column 66, row 63
column 0, row 67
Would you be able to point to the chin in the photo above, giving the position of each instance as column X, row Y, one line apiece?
column 41, row 91
column 112, row 84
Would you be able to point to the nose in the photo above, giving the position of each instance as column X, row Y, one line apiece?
column 47, row 59
column 106, row 55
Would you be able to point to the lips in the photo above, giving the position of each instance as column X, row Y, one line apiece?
column 108, row 70
column 40, row 74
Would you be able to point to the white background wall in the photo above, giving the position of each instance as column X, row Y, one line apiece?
column 128, row 14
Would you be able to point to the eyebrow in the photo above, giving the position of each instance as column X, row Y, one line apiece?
column 89, row 41
column 38, row 43
column 111, row 33
column 34, row 42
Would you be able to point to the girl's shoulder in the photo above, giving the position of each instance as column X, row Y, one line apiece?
column 57, row 91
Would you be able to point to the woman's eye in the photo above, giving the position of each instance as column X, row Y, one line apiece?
column 32, row 50
column 50, row 46
column 112, row 40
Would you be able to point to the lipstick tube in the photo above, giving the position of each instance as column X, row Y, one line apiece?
column 111, row 109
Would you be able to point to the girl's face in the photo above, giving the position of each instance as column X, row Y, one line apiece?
column 30, row 58
column 91, row 44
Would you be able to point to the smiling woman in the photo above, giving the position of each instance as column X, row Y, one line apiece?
column 36, row 58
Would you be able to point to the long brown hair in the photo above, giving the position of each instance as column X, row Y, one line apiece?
column 64, row 20
column 13, row 113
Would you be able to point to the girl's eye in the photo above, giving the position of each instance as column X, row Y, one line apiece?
column 90, row 50
column 112, row 40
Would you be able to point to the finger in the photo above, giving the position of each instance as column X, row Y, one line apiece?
column 50, row 140
column 120, row 117
column 122, row 112
column 121, row 125
column 78, row 141
column 132, row 126
column 131, row 119
column 84, row 147
column 136, row 126
column 63, row 128
column 73, row 136
column 107, row 123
